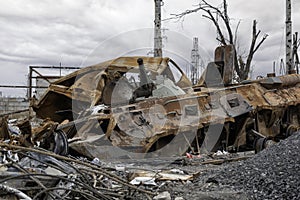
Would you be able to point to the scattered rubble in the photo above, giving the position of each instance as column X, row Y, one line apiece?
column 271, row 174
column 148, row 120
column 34, row 173
column 39, row 174
column 163, row 196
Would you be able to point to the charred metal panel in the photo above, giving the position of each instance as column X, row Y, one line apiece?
column 235, row 104
column 271, row 82
column 86, row 85
column 253, row 94
column 115, row 119
column 213, row 76
column 224, row 57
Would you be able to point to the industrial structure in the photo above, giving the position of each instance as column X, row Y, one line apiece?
column 288, row 58
column 39, row 81
column 37, row 84
column 195, row 65
column 16, row 106
column 157, row 29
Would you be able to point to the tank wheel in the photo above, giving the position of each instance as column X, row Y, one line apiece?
column 259, row 144
column 291, row 129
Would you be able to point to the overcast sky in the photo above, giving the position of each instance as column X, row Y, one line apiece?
column 84, row 32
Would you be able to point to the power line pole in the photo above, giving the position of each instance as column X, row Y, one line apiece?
column 288, row 58
column 157, row 29
column 195, row 56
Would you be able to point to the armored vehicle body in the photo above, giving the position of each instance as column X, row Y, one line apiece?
column 144, row 106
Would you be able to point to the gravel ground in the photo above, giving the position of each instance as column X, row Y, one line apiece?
column 274, row 173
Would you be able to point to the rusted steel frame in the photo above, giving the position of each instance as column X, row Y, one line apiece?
column 60, row 89
column 185, row 98
column 41, row 76
column 84, row 119
column 45, row 131
column 15, row 112
column 54, row 67
column 21, row 86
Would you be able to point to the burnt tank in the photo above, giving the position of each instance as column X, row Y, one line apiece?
column 143, row 106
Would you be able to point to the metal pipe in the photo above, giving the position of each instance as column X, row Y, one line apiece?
column 14, row 191
column 30, row 83
column 290, row 80
column 21, row 86
column 53, row 67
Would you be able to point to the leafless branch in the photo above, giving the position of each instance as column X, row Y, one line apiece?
column 235, row 33
column 260, row 43
column 220, row 34
column 220, row 18
column 180, row 15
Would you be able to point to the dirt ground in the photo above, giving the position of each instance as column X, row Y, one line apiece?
column 273, row 173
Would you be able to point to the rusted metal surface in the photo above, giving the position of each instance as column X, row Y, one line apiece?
column 87, row 84
column 224, row 55
column 139, row 106
column 145, row 121
column 4, row 133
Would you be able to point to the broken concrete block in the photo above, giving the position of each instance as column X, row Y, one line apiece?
column 163, row 196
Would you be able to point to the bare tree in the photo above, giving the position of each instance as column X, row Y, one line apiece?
column 220, row 18
column 295, row 57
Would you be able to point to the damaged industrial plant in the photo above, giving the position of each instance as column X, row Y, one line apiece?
column 148, row 127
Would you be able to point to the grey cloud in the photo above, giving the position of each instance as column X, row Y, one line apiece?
column 85, row 32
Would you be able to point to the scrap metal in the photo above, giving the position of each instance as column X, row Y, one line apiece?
column 145, row 106
column 103, row 106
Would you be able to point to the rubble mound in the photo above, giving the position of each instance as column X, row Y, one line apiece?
column 274, row 173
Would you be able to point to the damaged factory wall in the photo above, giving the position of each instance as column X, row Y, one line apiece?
column 13, row 104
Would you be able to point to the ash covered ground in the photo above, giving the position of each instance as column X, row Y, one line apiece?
column 274, row 173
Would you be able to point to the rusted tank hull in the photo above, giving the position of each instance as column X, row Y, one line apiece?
column 104, row 121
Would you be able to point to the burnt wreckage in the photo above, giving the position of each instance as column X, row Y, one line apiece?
column 137, row 106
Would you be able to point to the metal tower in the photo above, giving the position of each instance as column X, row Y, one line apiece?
column 157, row 29
column 195, row 56
column 288, row 58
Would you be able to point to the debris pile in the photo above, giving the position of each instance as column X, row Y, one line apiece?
column 32, row 173
column 271, row 174
column 119, row 110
